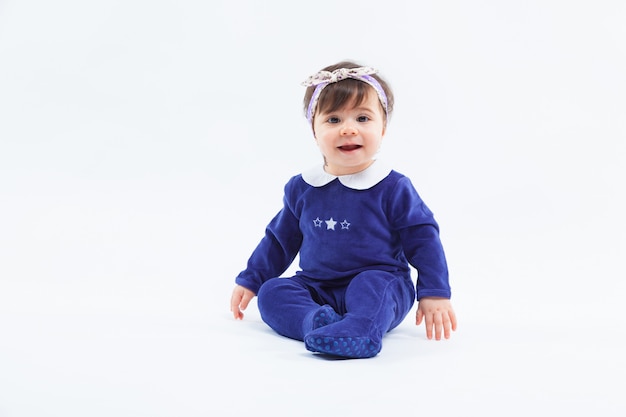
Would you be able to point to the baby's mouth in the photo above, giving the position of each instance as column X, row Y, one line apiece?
column 349, row 147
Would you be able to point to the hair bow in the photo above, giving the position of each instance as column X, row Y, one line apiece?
column 337, row 75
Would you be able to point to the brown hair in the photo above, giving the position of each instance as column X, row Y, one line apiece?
column 349, row 90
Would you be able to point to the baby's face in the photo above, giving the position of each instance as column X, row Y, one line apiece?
column 350, row 137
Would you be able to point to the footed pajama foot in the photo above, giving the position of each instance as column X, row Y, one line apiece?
column 347, row 347
column 351, row 337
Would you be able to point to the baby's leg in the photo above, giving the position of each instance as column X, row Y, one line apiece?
column 288, row 307
column 383, row 297
column 376, row 302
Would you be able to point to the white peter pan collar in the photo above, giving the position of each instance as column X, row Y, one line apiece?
column 363, row 180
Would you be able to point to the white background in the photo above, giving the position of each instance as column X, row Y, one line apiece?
column 144, row 146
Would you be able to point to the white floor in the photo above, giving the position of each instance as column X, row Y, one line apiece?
column 206, row 364
column 144, row 146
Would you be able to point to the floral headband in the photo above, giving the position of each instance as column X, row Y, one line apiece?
column 323, row 78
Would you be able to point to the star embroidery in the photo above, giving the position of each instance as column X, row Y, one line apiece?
column 318, row 222
column 344, row 224
column 330, row 224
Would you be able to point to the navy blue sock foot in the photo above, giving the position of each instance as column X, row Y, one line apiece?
column 350, row 338
column 347, row 347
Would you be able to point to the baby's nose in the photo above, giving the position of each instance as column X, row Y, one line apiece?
column 348, row 129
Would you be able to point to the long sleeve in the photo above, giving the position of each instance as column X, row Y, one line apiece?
column 425, row 253
column 276, row 251
column 419, row 236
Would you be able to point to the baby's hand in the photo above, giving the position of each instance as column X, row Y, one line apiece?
column 239, row 301
column 439, row 315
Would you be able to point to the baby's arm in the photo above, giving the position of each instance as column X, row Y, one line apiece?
column 438, row 314
column 239, row 301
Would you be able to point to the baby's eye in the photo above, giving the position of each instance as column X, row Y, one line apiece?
column 333, row 120
column 362, row 119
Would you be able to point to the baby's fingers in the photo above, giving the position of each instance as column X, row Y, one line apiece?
column 429, row 326
column 449, row 324
column 438, row 324
column 235, row 303
column 418, row 317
